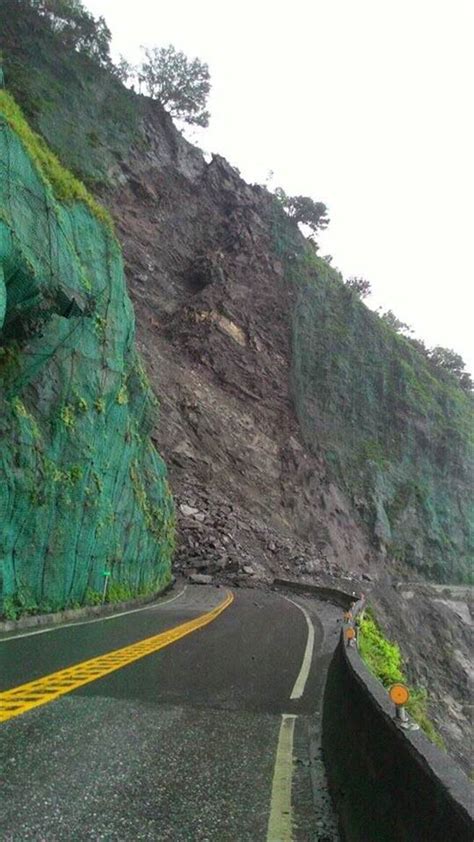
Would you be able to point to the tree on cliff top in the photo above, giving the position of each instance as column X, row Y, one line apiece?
column 304, row 210
column 394, row 322
column 180, row 84
column 450, row 361
column 360, row 286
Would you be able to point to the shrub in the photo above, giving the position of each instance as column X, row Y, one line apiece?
column 384, row 660
column 394, row 322
column 381, row 656
column 360, row 286
column 448, row 360
column 304, row 210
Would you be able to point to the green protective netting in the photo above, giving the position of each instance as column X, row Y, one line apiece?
column 396, row 437
column 82, row 489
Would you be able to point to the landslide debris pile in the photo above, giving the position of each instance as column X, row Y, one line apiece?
column 82, row 490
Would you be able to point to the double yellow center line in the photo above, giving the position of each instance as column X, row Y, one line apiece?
column 20, row 699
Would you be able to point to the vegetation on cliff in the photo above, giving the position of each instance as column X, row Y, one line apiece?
column 179, row 84
column 82, row 491
column 396, row 432
column 384, row 660
column 65, row 186
column 57, row 64
column 71, row 97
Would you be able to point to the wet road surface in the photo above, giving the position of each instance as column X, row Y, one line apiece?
column 214, row 737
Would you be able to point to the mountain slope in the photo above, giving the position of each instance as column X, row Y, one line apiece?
column 281, row 406
column 302, row 436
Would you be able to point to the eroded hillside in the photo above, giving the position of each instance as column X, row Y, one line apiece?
column 302, row 436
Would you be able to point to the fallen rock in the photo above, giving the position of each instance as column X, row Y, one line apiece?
column 188, row 510
column 200, row 579
column 311, row 566
column 201, row 564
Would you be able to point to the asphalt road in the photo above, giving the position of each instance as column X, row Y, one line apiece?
column 214, row 737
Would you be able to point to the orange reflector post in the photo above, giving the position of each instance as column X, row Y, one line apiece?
column 399, row 694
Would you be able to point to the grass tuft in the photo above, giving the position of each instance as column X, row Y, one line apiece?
column 65, row 186
column 384, row 660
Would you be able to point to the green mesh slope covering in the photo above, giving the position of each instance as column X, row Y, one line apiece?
column 396, row 436
column 82, row 490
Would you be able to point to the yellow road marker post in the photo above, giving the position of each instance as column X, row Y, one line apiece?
column 39, row 692
column 351, row 636
column 399, row 694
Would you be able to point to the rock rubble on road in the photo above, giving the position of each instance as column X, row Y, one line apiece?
column 217, row 542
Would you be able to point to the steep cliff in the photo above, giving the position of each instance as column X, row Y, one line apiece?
column 357, row 447
column 396, row 434
column 302, row 435
column 82, row 489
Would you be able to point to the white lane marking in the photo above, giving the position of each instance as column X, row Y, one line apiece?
column 300, row 682
column 280, row 821
column 67, row 625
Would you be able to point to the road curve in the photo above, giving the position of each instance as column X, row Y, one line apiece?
column 210, row 736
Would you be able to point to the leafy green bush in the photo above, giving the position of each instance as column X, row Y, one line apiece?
column 384, row 660
column 22, row 602
column 92, row 597
column 303, row 209
column 118, row 592
column 10, row 610
column 381, row 656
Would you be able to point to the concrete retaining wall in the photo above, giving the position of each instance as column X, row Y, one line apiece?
column 389, row 785
column 329, row 594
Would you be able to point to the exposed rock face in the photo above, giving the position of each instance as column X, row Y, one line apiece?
column 212, row 313
column 270, row 337
column 219, row 341
column 82, row 490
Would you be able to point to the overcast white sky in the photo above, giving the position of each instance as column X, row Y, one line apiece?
column 366, row 105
